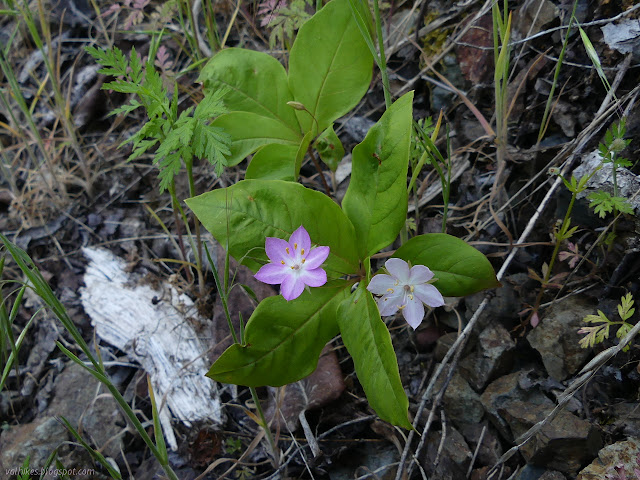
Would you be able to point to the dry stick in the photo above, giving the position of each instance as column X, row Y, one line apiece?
column 476, row 451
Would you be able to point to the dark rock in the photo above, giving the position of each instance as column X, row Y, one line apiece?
column 454, row 458
column 461, row 403
column 530, row 472
column 564, row 444
column 627, row 418
column 557, row 338
column 505, row 391
column 493, row 356
column 476, row 63
column 624, row 454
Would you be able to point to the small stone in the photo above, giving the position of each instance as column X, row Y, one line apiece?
column 557, row 338
column 461, row 403
column 492, row 358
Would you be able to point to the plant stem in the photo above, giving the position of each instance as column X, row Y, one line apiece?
column 265, row 427
column 175, row 204
column 319, row 168
column 382, row 63
column 196, row 226
column 554, row 255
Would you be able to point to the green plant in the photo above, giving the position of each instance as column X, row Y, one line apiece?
column 599, row 332
column 179, row 138
column 283, row 19
column 329, row 72
column 614, row 143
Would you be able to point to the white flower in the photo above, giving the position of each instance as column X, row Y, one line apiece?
column 405, row 289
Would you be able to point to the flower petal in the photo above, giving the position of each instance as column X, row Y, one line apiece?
column 428, row 294
column 272, row 273
column 276, row 249
column 399, row 269
column 292, row 287
column 419, row 274
column 314, row 278
column 389, row 304
column 300, row 238
column 413, row 313
column 381, row 283
column 316, row 257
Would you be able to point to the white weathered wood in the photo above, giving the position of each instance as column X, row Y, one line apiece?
column 150, row 325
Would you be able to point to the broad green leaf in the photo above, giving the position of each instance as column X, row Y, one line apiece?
column 330, row 66
column 368, row 341
column 460, row 269
column 250, row 131
column 251, row 210
column 273, row 162
column 376, row 200
column 330, row 148
column 256, row 83
column 283, row 340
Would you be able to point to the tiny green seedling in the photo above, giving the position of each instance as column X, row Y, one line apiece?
column 599, row 332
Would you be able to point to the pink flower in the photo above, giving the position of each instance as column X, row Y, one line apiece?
column 294, row 264
column 405, row 289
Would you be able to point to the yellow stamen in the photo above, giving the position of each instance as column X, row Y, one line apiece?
column 287, row 249
column 410, row 297
column 282, row 262
column 303, row 260
column 397, row 283
column 411, row 288
column 390, row 290
column 293, row 268
column 401, row 307
column 295, row 246
column 302, row 252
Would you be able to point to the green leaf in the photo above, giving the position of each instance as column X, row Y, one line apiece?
column 368, row 341
column 601, row 203
column 283, row 340
column 460, row 269
column 246, row 213
column 250, row 131
column 257, row 83
column 330, row 148
column 330, row 66
column 273, row 162
column 376, row 200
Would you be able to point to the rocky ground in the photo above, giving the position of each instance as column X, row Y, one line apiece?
column 510, row 384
